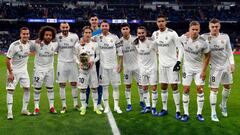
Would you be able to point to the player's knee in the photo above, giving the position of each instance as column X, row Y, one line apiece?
column 227, row 86
column 214, row 89
column 10, row 91
column 145, row 88
column 73, row 83
column 49, row 87
column 128, row 86
column 62, row 85
column 199, row 89
column 164, row 86
column 174, row 86
column 39, row 88
column 115, row 87
column 186, row 89
column 94, row 90
column 26, row 89
column 154, row 87
column 83, row 90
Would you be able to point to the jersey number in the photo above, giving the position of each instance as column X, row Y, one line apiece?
column 81, row 80
column 36, row 79
column 184, row 74
column 126, row 76
column 213, row 78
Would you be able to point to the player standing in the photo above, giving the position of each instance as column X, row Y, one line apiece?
column 195, row 61
column 167, row 42
column 44, row 66
column 17, row 59
column 93, row 20
column 67, row 68
column 147, row 61
column 221, row 66
column 130, row 64
column 88, row 77
column 110, row 66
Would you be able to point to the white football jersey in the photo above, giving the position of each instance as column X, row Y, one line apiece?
column 147, row 58
column 167, row 43
column 44, row 58
column 109, row 49
column 193, row 51
column 90, row 48
column 221, row 51
column 19, row 53
column 130, row 55
column 66, row 46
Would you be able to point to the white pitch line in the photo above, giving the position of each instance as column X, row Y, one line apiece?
column 113, row 123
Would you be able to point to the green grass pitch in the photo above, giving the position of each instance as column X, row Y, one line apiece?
column 132, row 123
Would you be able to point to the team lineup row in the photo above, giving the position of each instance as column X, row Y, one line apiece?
column 96, row 60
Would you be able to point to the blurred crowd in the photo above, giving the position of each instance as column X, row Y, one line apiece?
column 119, row 9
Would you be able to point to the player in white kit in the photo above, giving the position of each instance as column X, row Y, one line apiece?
column 221, row 66
column 130, row 65
column 67, row 68
column 17, row 60
column 195, row 62
column 147, row 61
column 110, row 67
column 94, row 22
column 87, row 77
column 167, row 42
column 44, row 66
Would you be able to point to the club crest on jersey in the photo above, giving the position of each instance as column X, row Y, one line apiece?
column 196, row 46
column 222, row 41
column 71, row 40
column 157, row 35
column 209, row 39
column 111, row 40
column 41, row 46
column 60, row 38
column 21, row 48
column 101, row 37
column 166, row 38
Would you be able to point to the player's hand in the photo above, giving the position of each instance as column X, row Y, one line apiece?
column 232, row 68
column 38, row 41
column 136, row 41
column 203, row 75
column 177, row 66
column 10, row 77
column 81, row 42
column 119, row 68
column 90, row 63
column 187, row 34
column 81, row 65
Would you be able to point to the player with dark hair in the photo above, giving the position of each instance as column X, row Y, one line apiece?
column 44, row 66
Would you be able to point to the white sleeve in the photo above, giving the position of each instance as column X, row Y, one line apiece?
column 206, row 47
column 180, row 48
column 11, row 51
column 97, row 54
column 229, row 51
column 76, row 53
column 178, row 44
column 153, row 36
column 33, row 47
column 118, row 46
